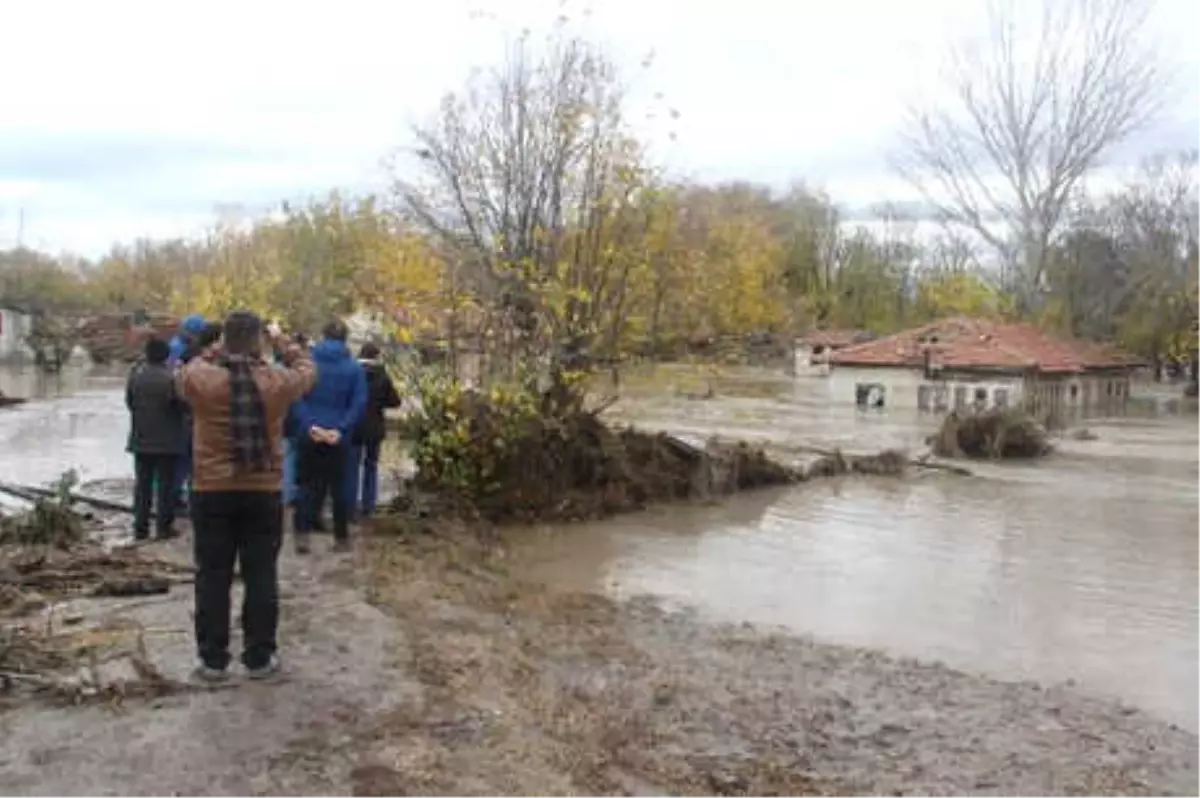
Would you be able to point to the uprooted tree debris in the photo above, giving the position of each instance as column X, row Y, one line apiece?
column 528, row 455
column 995, row 434
column 46, row 558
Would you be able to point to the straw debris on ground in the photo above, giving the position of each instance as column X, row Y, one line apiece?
column 1005, row 433
column 46, row 558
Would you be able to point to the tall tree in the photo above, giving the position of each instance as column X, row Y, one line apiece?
column 525, row 175
column 1028, row 110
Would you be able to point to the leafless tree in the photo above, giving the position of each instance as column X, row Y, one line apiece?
column 1029, row 111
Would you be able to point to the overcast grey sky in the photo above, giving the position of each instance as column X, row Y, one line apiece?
column 127, row 119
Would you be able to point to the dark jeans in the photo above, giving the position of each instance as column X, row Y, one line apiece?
column 153, row 471
column 233, row 526
column 321, row 471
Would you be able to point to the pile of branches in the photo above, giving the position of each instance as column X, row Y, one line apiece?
column 526, row 454
column 995, row 434
column 46, row 557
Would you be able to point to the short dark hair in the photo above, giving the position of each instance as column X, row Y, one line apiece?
column 335, row 331
column 243, row 333
column 369, row 351
column 210, row 335
column 157, row 351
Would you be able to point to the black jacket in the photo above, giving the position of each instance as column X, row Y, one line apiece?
column 156, row 414
column 381, row 394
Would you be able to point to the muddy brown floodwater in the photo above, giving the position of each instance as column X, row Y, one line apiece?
column 1081, row 568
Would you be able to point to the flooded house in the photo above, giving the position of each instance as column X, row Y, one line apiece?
column 964, row 363
column 812, row 351
column 16, row 324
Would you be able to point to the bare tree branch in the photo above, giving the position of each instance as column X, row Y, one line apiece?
column 1029, row 113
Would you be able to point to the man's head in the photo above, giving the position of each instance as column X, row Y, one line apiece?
column 209, row 335
column 157, row 351
column 335, row 331
column 369, row 351
column 243, row 333
column 193, row 325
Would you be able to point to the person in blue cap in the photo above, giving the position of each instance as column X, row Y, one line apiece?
column 191, row 329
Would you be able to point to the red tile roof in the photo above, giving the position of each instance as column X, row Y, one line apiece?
column 835, row 339
column 965, row 343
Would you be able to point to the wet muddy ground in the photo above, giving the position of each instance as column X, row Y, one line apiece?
column 422, row 665
column 534, row 667
column 345, row 663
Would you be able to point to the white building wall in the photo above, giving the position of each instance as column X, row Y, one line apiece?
column 14, row 327
column 903, row 387
column 810, row 365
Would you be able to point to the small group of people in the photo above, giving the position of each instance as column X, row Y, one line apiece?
column 233, row 421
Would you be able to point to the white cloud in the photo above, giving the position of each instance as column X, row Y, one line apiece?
column 295, row 98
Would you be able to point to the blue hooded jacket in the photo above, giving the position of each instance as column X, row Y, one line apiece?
column 339, row 399
column 192, row 326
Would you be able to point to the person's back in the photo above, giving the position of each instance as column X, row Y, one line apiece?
column 326, row 418
column 363, row 477
column 238, row 403
column 157, row 437
column 338, row 399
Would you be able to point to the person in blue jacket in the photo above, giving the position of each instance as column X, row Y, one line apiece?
column 190, row 329
column 324, row 422
column 179, row 350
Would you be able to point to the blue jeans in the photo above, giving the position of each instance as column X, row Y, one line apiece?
column 362, row 478
column 290, row 489
column 183, row 475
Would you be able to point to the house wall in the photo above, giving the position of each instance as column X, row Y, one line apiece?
column 14, row 327
column 909, row 389
column 1084, row 394
column 809, row 364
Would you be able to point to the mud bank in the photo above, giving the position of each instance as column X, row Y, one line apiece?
column 419, row 665
column 530, row 691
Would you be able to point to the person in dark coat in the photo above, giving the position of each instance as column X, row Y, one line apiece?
column 367, row 439
column 157, row 440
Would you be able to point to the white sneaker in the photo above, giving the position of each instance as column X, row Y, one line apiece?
column 266, row 671
column 210, row 676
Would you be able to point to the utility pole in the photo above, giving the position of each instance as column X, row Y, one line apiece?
column 21, row 228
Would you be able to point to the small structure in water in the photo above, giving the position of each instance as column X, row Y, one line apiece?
column 966, row 364
column 16, row 324
column 813, row 350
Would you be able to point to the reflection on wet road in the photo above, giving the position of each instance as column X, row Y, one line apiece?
column 1083, row 566
column 1080, row 567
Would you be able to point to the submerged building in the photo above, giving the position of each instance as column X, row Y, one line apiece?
column 965, row 363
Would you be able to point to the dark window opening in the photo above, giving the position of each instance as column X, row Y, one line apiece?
column 981, row 396
column 1074, row 392
column 870, row 394
column 1000, row 397
column 819, row 349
